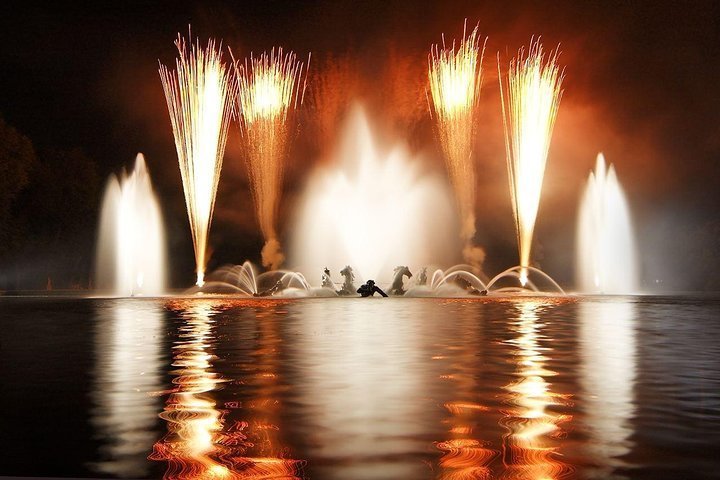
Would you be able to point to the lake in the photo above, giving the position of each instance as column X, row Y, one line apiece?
column 377, row 388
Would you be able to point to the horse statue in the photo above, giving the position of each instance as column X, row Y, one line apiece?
column 348, row 287
column 422, row 277
column 327, row 280
column 397, row 287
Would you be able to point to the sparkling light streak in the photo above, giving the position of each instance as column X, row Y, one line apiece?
column 270, row 87
column 455, row 76
column 193, row 446
column 528, row 450
column 200, row 95
column 530, row 102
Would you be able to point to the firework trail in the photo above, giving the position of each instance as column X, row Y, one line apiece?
column 530, row 104
column 270, row 87
column 199, row 97
column 455, row 76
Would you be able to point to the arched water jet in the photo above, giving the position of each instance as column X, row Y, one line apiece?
column 464, row 274
column 528, row 286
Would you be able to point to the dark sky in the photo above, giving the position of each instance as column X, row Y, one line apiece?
column 642, row 85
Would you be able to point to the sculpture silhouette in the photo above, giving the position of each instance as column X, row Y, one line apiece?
column 348, row 287
column 326, row 280
column 270, row 291
column 397, row 287
column 369, row 289
column 422, row 277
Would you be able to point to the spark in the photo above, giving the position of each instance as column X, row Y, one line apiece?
column 455, row 77
column 199, row 97
column 270, row 88
column 530, row 104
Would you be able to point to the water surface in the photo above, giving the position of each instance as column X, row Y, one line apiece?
column 397, row 388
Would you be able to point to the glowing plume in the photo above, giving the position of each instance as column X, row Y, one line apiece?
column 199, row 98
column 269, row 89
column 529, row 105
column 455, row 77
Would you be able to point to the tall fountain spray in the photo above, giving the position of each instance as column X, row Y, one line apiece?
column 605, row 254
column 131, row 246
column 372, row 210
column 269, row 90
column 455, row 77
column 199, row 98
column 530, row 104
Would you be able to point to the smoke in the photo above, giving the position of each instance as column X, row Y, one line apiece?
column 272, row 256
column 474, row 255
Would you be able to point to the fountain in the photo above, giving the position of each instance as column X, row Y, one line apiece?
column 244, row 280
column 131, row 246
column 605, row 254
column 372, row 210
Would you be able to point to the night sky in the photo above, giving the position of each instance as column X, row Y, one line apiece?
column 642, row 86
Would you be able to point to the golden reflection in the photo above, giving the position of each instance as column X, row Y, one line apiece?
column 528, row 449
column 266, row 458
column 202, row 441
column 193, row 446
column 464, row 455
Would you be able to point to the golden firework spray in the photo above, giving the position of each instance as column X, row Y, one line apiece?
column 270, row 87
column 199, row 97
column 530, row 102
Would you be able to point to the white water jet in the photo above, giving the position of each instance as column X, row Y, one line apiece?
column 131, row 243
column 373, row 211
column 605, row 252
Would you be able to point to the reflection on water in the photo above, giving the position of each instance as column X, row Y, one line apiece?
column 528, row 450
column 465, row 453
column 193, row 447
column 127, row 370
column 265, row 456
column 378, row 388
column 607, row 336
column 202, row 442
column 361, row 387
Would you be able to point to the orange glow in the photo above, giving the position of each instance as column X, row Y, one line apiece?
column 464, row 456
column 198, row 443
column 527, row 453
column 191, row 446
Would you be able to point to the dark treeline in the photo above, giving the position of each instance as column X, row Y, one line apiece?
column 48, row 211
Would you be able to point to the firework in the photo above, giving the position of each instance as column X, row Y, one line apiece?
column 455, row 76
column 199, row 98
column 270, row 87
column 530, row 102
